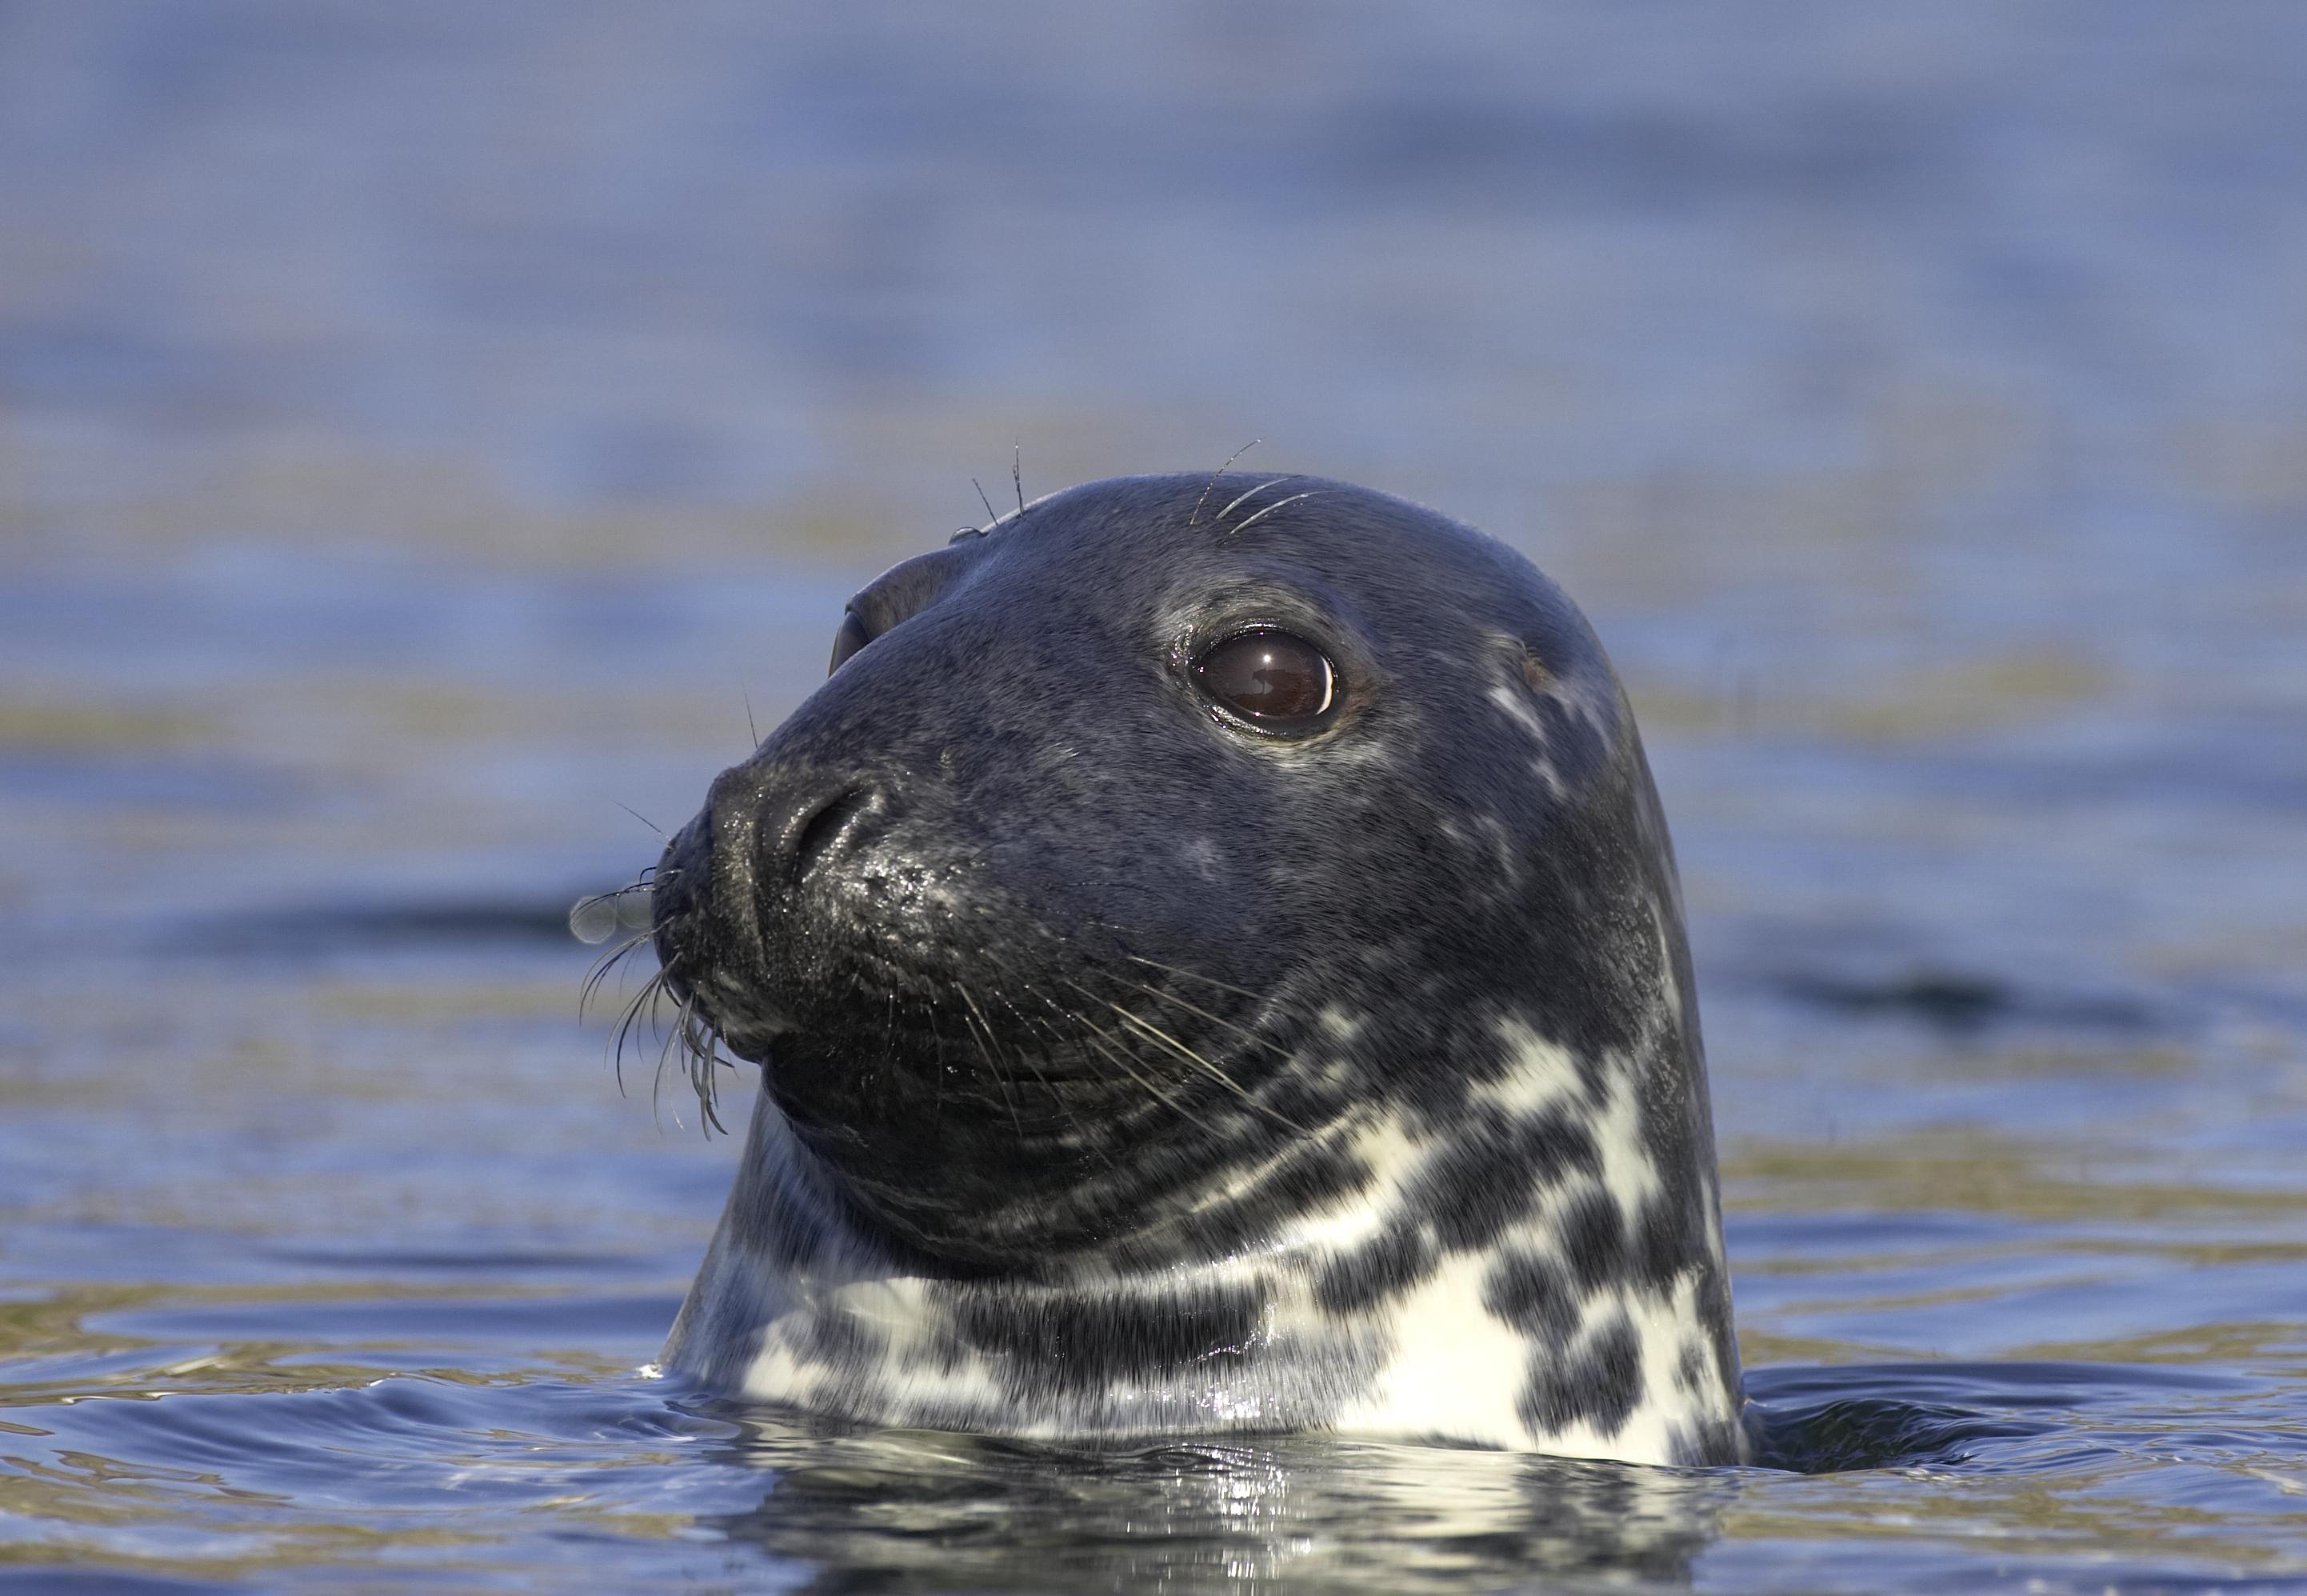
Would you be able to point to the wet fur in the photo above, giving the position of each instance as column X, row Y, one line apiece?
column 1128, row 1073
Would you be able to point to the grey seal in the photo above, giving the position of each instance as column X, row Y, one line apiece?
column 1216, row 962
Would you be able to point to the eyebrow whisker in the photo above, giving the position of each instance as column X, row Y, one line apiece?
column 1219, row 519
column 1269, row 509
column 1193, row 519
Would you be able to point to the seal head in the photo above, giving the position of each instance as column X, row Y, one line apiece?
column 1215, row 960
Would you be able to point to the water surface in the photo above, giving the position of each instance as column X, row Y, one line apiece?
column 431, row 434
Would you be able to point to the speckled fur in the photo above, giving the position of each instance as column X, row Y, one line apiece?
column 1129, row 1073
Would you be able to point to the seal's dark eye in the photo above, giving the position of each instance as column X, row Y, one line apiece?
column 851, row 637
column 1275, row 682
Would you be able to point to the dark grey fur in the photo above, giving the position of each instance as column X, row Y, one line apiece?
column 1129, row 1071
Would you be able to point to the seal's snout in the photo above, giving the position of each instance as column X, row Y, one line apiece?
column 704, row 925
column 771, row 827
column 749, row 891
column 680, row 902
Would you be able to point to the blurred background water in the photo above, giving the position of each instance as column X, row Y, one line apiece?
column 428, row 431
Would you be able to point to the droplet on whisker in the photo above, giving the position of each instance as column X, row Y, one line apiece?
column 634, row 908
column 595, row 919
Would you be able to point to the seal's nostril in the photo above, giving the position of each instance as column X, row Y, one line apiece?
column 834, row 824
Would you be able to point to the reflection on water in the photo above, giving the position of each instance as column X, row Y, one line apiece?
column 944, row 1513
column 432, row 437
column 2041, row 1470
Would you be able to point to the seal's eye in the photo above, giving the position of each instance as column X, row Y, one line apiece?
column 1275, row 682
column 851, row 637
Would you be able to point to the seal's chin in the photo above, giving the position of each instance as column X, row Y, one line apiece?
column 976, row 1126
column 957, row 1162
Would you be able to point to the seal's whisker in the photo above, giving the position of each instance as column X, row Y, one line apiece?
column 598, row 972
column 1139, row 1023
column 678, row 1035
column 998, row 996
column 644, row 819
column 710, row 1099
column 1252, row 520
column 889, row 1028
column 640, row 884
column 1252, row 1038
column 982, row 1035
column 684, row 1039
column 632, row 1010
column 1017, row 473
column 646, row 997
column 1052, row 1033
column 1097, row 1042
column 1081, row 1132
column 938, row 1037
column 990, row 517
column 1194, row 519
column 1155, row 963
column 1202, row 1063
column 614, row 953
column 697, row 1038
column 700, row 1039
column 1219, row 519
column 602, row 968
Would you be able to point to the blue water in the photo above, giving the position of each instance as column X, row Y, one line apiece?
column 430, row 435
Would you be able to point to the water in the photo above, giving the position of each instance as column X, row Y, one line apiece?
column 425, row 430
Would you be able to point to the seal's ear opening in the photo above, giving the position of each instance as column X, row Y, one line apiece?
column 896, row 596
column 847, row 639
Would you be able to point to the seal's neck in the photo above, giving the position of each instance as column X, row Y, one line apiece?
column 1540, row 1268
